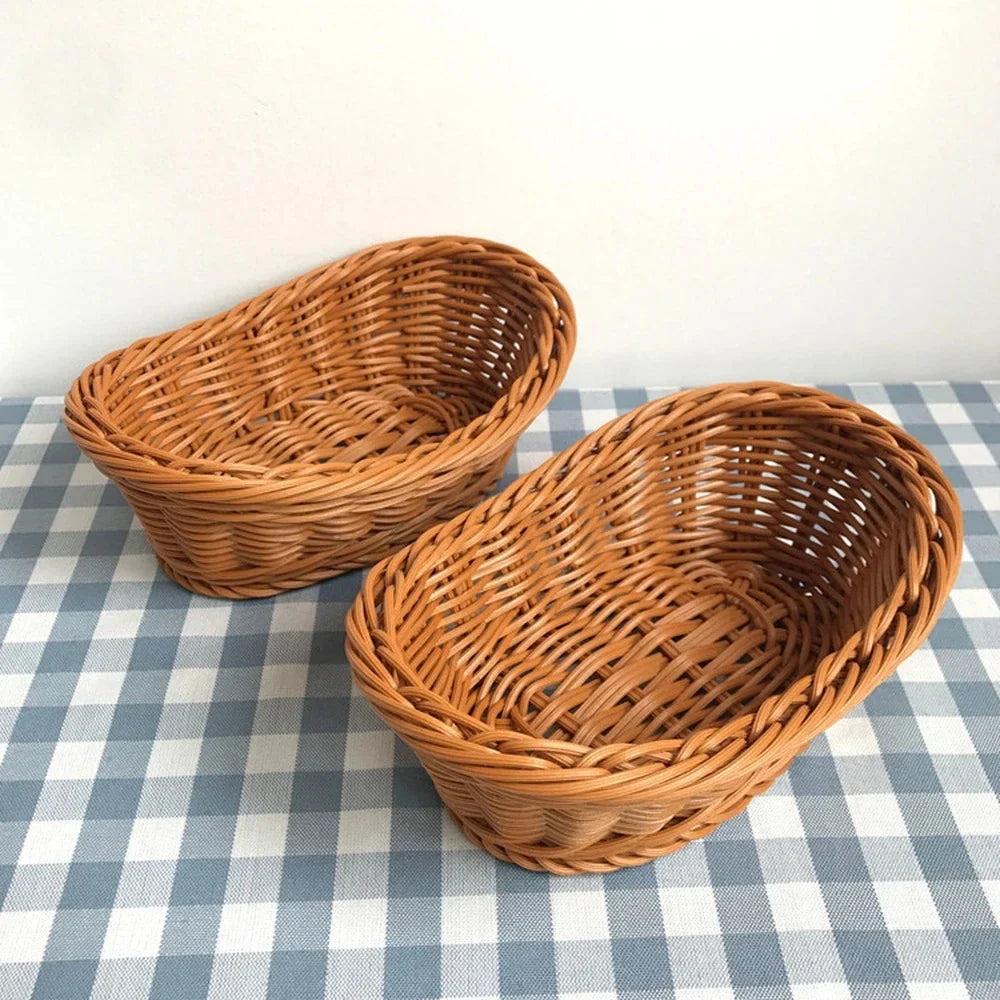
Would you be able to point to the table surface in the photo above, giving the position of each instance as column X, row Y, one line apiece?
column 195, row 802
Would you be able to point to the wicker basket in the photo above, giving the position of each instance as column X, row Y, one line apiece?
column 323, row 424
column 615, row 654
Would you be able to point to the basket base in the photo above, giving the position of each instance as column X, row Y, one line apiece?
column 618, row 850
column 605, row 856
column 208, row 588
column 242, row 580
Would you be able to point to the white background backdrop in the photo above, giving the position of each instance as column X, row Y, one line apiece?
column 809, row 191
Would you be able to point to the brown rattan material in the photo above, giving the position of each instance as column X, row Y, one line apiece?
column 323, row 424
column 615, row 654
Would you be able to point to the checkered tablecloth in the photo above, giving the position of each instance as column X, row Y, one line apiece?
column 195, row 803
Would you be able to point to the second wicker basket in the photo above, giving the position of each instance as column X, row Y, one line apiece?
column 616, row 653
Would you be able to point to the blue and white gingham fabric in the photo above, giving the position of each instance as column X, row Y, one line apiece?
column 195, row 803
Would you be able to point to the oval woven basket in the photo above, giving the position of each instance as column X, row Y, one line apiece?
column 616, row 653
column 326, row 422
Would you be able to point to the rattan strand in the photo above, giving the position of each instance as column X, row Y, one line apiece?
column 615, row 654
column 326, row 422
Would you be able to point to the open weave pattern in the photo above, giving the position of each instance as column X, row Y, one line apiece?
column 328, row 421
column 612, row 656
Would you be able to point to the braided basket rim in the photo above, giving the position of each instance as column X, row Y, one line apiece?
column 304, row 482
column 849, row 681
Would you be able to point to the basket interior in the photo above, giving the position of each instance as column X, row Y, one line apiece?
column 343, row 364
column 698, row 570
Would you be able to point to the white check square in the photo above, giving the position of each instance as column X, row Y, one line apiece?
column 246, row 928
column 52, row 570
column 16, row 476
column 370, row 751
column 773, row 817
column 98, row 687
column 14, row 689
column 135, row 567
column 921, row 667
column 190, row 685
column 212, row 620
column 283, row 680
column 975, row 603
column 991, row 890
column 156, row 838
column 85, row 473
column 357, row 923
column 594, row 419
column 579, row 916
column 798, row 906
column 853, row 737
column 75, row 760
column 24, row 935
column 948, row 413
column 364, row 831
column 173, row 758
column 991, row 663
column 32, row 433
column 260, row 835
column 30, row 626
column 469, row 919
column 876, row 815
column 938, row 991
column 293, row 616
column 977, row 814
column 50, row 841
column 972, row 454
column 272, row 754
column 134, row 932
column 945, row 734
column 689, row 910
column 118, row 624
column 907, row 906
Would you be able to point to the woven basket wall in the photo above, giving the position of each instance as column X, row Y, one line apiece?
column 615, row 654
column 328, row 421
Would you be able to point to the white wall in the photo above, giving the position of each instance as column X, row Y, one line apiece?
column 801, row 190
